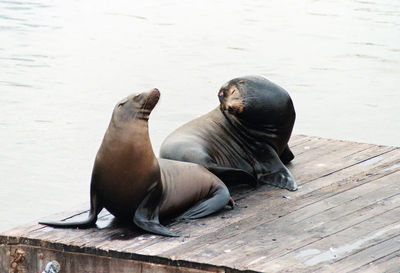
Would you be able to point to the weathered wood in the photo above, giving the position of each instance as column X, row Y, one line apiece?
column 36, row 258
column 345, row 216
column 387, row 264
column 260, row 211
column 297, row 230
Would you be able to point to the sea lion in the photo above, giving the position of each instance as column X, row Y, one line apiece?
column 129, row 181
column 243, row 140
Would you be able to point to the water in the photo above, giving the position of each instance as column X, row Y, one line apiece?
column 64, row 64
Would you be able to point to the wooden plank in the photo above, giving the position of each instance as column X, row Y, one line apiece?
column 299, row 139
column 36, row 259
column 296, row 232
column 343, row 187
column 314, row 165
column 378, row 250
column 341, row 240
column 249, row 216
column 285, row 231
column 149, row 243
column 354, row 172
column 4, row 262
column 347, row 201
column 388, row 264
column 388, row 245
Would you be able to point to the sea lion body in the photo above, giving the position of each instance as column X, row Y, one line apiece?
column 245, row 139
column 187, row 185
column 127, row 179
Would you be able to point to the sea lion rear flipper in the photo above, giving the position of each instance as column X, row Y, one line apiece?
column 147, row 214
column 217, row 201
column 231, row 176
column 95, row 208
column 278, row 175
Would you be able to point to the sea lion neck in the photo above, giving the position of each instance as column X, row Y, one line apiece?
column 252, row 135
column 130, row 126
column 121, row 137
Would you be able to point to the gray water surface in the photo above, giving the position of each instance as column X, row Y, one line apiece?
column 64, row 64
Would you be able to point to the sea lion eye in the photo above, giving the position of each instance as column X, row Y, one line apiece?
column 137, row 97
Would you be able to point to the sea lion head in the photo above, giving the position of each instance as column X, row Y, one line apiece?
column 255, row 100
column 231, row 99
column 137, row 106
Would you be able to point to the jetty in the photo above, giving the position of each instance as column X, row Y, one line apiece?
column 345, row 217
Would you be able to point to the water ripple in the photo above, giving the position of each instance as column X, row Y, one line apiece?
column 16, row 84
column 17, row 59
column 126, row 15
column 12, row 18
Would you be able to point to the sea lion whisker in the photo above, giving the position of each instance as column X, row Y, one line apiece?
column 235, row 99
column 250, row 97
column 137, row 112
column 145, row 113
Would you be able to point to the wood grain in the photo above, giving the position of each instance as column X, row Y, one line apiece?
column 344, row 217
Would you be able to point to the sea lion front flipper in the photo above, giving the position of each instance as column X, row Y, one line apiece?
column 196, row 154
column 95, row 208
column 287, row 155
column 281, row 178
column 217, row 201
column 231, row 176
column 274, row 172
column 147, row 214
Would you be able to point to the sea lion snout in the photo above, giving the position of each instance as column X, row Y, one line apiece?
column 154, row 93
column 231, row 99
column 235, row 106
column 152, row 98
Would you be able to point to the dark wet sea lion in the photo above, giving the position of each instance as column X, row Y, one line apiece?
column 130, row 182
column 245, row 139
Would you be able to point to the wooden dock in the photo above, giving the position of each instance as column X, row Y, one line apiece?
column 345, row 217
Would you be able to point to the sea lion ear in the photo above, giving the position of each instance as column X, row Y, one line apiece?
column 122, row 102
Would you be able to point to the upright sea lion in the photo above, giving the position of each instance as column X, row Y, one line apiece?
column 245, row 139
column 130, row 182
